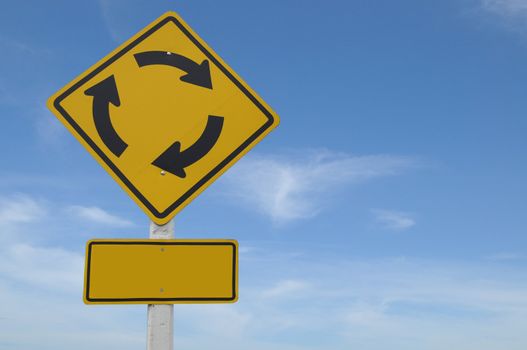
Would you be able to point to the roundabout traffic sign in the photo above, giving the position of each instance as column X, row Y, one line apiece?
column 164, row 115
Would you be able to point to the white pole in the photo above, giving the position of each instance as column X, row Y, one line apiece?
column 160, row 329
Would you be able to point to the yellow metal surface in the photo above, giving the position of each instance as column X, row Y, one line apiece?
column 152, row 106
column 161, row 271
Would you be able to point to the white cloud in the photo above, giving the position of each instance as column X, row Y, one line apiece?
column 401, row 304
column 287, row 288
column 364, row 314
column 8, row 43
column 109, row 17
column 506, row 7
column 23, row 262
column 49, row 130
column 41, row 290
column 119, row 16
column 506, row 256
column 245, row 250
column 394, row 220
column 292, row 188
column 52, row 268
column 222, row 321
column 445, row 309
column 20, row 209
column 512, row 13
column 288, row 301
column 99, row 216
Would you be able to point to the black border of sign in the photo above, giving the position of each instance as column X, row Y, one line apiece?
column 113, row 167
column 146, row 300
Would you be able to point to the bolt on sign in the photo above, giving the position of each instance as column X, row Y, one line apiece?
column 164, row 115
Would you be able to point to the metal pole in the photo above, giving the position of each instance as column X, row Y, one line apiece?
column 160, row 329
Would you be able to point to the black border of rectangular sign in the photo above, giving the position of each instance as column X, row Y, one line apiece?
column 146, row 300
column 113, row 167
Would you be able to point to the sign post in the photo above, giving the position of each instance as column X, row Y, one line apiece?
column 160, row 326
column 165, row 116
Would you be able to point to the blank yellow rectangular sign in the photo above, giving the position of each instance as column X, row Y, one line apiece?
column 161, row 271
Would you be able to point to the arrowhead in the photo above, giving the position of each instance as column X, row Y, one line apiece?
column 107, row 90
column 200, row 75
column 170, row 160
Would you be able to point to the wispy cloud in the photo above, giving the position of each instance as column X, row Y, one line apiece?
column 394, row 220
column 399, row 304
column 20, row 208
column 513, row 13
column 41, row 289
column 53, row 268
column 98, row 216
column 506, row 256
column 22, row 47
column 288, row 188
column 376, row 304
column 109, row 20
column 48, row 129
column 119, row 16
column 285, row 288
column 506, row 7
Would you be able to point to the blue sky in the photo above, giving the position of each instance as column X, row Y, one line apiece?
column 386, row 211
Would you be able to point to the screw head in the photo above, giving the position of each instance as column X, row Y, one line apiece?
column 163, row 172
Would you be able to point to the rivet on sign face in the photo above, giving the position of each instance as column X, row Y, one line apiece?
column 161, row 290
column 162, row 249
column 163, row 172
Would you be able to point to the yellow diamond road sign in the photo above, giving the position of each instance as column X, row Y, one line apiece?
column 164, row 115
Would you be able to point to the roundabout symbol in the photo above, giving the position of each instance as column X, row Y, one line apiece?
column 202, row 126
column 172, row 160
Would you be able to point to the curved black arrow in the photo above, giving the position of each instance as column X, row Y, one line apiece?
column 174, row 161
column 197, row 74
column 104, row 93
